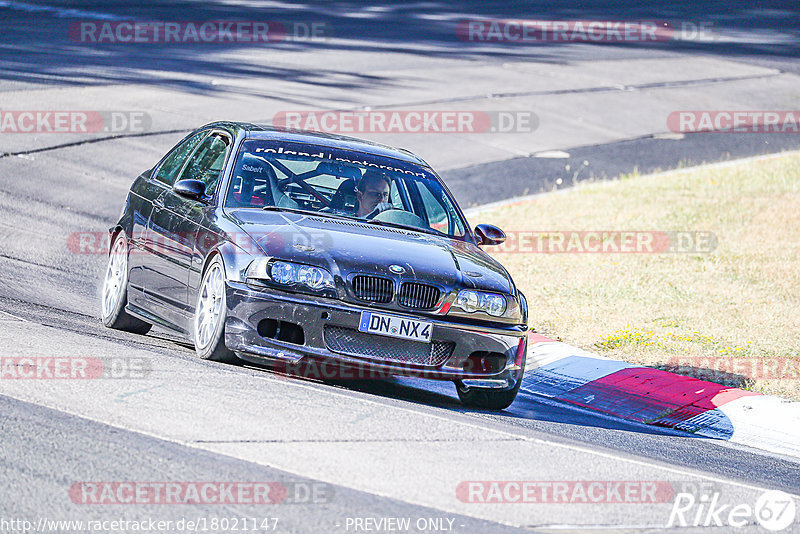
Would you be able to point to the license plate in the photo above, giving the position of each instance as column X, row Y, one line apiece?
column 399, row 327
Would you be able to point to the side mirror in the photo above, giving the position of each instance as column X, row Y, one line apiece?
column 489, row 235
column 191, row 189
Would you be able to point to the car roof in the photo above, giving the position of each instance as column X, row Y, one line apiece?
column 258, row 131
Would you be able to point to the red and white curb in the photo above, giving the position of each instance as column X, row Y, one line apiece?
column 646, row 395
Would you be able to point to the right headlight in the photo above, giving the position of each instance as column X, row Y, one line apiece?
column 291, row 276
column 472, row 301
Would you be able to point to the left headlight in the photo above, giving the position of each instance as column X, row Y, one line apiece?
column 477, row 301
column 291, row 275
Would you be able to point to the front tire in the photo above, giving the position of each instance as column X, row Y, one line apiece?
column 487, row 398
column 210, row 314
column 115, row 291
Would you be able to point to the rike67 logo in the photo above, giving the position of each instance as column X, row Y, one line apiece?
column 773, row 511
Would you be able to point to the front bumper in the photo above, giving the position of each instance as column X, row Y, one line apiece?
column 248, row 307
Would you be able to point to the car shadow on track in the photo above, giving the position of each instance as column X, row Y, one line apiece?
column 526, row 408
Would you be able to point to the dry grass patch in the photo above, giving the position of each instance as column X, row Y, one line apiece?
column 731, row 316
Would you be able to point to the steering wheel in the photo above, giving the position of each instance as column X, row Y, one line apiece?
column 402, row 217
column 380, row 208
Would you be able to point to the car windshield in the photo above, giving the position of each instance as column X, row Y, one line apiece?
column 336, row 182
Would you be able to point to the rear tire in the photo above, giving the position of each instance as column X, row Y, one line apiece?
column 115, row 291
column 209, row 316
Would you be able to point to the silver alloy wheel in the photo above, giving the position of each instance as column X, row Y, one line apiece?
column 209, row 307
column 114, row 283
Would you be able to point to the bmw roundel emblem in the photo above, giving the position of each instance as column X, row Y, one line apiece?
column 396, row 269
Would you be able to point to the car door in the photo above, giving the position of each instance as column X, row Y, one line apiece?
column 145, row 191
column 172, row 230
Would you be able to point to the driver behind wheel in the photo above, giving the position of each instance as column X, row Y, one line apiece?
column 372, row 192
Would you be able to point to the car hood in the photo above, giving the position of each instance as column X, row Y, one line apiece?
column 346, row 247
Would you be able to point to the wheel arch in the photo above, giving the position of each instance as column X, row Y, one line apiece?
column 113, row 232
column 232, row 260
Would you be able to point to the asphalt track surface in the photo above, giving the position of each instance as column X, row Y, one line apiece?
column 379, row 449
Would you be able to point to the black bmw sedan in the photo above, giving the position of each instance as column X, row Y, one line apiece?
column 285, row 247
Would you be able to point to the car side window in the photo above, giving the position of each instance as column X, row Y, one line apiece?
column 396, row 199
column 441, row 214
column 174, row 161
column 207, row 161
